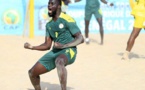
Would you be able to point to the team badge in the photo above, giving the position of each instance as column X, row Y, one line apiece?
column 67, row 51
column 61, row 25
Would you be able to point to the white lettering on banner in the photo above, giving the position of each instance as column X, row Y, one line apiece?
column 109, row 25
column 128, row 13
column 94, row 25
column 117, row 6
column 119, row 25
column 10, row 27
column 76, row 14
column 113, row 13
column 114, row 25
column 82, row 25
column 130, row 23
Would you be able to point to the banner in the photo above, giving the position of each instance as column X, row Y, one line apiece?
column 11, row 17
column 116, row 19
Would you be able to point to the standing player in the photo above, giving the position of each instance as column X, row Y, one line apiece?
column 93, row 7
column 63, row 31
column 139, row 22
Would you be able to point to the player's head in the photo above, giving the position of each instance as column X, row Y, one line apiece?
column 53, row 7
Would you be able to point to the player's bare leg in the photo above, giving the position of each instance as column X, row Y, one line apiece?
column 100, row 21
column 35, row 82
column 87, row 31
column 34, row 75
column 61, row 70
column 131, row 42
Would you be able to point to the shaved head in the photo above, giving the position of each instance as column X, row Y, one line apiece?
column 54, row 7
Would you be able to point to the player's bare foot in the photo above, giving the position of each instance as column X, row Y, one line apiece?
column 125, row 56
column 101, row 43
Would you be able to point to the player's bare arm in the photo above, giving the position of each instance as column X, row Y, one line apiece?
column 78, row 40
column 108, row 3
column 45, row 46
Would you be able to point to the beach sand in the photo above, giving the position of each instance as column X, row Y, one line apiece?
column 97, row 67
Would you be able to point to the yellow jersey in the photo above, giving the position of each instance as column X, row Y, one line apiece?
column 138, row 8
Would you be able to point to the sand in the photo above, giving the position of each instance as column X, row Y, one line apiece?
column 97, row 67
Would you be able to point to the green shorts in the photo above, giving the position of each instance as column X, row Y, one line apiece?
column 48, row 60
column 90, row 11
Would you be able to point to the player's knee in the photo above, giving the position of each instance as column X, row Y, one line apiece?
column 30, row 73
column 59, row 62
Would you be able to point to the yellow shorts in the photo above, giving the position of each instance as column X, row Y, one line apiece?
column 139, row 22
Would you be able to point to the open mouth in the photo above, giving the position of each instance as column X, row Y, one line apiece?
column 49, row 11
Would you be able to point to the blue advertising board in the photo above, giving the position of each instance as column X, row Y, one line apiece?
column 116, row 19
column 11, row 17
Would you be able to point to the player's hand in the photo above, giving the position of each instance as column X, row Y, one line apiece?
column 27, row 46
column 58, row 45
column 111, row 4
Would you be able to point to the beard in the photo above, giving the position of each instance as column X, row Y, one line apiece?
column 52, row 14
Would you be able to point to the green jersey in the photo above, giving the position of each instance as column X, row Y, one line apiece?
column 93, row 3
column 63, row 29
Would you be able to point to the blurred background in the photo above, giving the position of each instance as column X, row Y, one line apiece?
column 14, row 20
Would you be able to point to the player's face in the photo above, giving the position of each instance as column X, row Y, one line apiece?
column 52, row 7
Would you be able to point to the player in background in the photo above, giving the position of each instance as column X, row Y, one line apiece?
column 138, row 11
column 92, row 7
column 65, row 4
column 63, row 33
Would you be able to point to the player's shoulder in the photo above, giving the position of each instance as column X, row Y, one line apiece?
column 48, row 22
column 67, row 17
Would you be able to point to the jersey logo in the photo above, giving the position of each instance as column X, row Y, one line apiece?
column 61, row 25
column 71, row 52
column 67, row 51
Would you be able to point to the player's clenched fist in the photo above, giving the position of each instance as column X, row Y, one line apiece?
column 27, row 46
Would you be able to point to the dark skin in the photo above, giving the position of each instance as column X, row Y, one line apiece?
column 134, row 34
column 38, row 69
column 132, row 38
column 100, row 22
